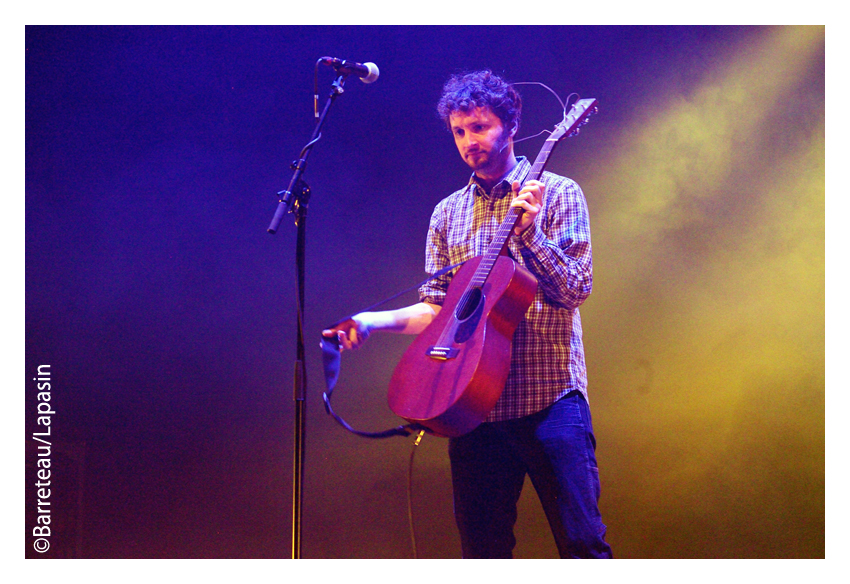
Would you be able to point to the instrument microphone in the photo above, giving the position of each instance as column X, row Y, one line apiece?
column 368, row 72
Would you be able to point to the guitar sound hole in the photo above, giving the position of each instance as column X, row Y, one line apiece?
column 469, row 303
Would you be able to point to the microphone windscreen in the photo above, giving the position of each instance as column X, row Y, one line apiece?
column 373, row 73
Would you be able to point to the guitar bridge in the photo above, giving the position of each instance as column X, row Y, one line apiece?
column 441, row 353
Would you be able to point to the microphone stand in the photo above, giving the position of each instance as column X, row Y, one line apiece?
column 295, row 200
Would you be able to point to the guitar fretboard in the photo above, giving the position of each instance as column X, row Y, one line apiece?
column 511, row 219
column 578, row 116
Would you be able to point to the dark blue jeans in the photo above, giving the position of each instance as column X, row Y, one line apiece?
column 556, row 448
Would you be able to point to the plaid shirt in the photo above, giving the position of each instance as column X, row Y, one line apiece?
column 547, row 359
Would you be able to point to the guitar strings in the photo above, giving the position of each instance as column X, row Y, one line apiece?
column 552, row 91
column 565, row 104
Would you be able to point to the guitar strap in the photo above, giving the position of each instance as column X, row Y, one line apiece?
column 331, row 358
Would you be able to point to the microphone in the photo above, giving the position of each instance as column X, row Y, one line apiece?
column 367, row 72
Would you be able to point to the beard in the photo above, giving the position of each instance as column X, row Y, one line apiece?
column 486, row 162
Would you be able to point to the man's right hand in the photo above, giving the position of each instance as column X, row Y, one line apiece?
column 351, row 333
column 411, row 320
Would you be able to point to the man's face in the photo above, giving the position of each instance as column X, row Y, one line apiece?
column 481, row 140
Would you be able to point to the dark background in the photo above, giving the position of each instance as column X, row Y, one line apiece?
column 167, row 312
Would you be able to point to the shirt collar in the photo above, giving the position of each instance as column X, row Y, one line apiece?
column 503, row 187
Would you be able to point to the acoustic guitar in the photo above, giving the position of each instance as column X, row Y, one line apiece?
column 454, row 371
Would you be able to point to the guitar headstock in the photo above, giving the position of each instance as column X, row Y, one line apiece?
column 577, row 117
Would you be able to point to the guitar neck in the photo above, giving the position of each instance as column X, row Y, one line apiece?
column 497, row 246
column 577, row 117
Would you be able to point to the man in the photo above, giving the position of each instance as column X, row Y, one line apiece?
column 541, row 424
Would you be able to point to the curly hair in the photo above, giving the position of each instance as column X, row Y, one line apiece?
column 465, row 92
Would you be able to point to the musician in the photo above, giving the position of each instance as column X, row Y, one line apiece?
column 541, row 425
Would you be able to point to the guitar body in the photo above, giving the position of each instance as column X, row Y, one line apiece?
column 451, row 395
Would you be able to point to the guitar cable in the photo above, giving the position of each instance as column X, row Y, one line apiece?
column 565, row 104
column 410, row 493
column 331, row 364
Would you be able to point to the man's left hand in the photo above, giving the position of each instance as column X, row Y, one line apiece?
column 529, row 199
